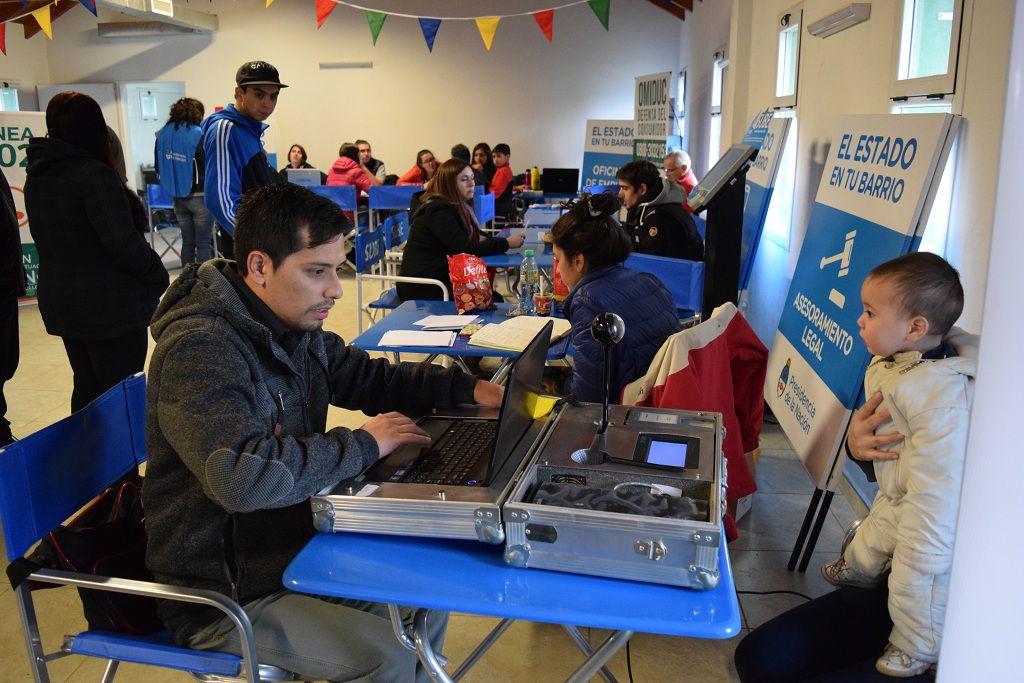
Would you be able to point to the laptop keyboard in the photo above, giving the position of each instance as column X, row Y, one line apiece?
column 451, row 458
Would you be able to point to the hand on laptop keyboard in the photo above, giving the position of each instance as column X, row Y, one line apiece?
column 391, row 430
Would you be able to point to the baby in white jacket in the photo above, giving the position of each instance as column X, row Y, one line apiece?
column 910, row 304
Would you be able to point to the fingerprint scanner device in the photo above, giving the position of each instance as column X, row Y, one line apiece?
column 651, row 511
column 721, row 193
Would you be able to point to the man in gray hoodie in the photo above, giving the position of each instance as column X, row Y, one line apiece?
column 236, row 420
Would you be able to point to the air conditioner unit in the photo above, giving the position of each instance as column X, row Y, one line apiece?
column 851, row 15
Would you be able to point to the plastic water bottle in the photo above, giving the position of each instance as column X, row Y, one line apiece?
column 529, row 282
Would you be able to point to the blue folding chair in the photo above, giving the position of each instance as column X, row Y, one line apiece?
column 683, row 279
column 48, row 477
column 347, row 199
column 370, row 251
column 483, row 207
column 396, row 234
column 157, row 200
column 390, row 198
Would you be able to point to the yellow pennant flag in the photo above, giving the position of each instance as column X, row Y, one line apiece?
column 487, row 26
column 42, row 16
column 269, row 2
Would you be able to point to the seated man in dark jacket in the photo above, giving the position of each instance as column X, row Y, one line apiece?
column 656, row 219
column 236, row 421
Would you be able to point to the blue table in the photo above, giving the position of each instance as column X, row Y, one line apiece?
column 472, row 578
column 541, row 216
column 405, row 316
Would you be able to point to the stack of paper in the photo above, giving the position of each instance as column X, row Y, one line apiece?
column 416, row 338
column 446, row 322
column 515, row 334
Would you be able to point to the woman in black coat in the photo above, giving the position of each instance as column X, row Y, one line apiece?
column 442, row 226
column 99, row 281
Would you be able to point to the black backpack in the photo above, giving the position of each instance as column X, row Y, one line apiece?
column 107, row 538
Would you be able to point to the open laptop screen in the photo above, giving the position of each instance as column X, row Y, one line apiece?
column 560, row 181
column 520, row 393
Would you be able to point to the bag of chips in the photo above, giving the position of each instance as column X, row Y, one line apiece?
column 470, row 284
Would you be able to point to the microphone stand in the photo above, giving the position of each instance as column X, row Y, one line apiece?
column 608, row 329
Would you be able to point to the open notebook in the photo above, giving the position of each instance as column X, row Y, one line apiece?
column 515, row 333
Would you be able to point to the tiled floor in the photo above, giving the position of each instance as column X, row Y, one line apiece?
column 40, row 394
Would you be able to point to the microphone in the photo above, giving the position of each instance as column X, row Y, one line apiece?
column 608, row 329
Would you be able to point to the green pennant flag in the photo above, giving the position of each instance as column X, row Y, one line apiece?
column 376, row 21
column 601, row 9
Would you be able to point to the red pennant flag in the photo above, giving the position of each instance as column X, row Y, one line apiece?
column 3, row 39
column 546, row 21
column 323, row 10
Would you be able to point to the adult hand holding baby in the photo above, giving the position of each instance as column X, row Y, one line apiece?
column 862, row 441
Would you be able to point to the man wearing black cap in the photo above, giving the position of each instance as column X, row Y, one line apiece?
column 232, row 140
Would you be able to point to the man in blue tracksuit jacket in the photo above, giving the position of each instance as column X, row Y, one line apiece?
column 232, row 140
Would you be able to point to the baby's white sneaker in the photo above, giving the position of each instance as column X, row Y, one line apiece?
column 897, row 663
column 838, row 573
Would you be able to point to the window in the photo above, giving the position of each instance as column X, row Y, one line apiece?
column 788, row 58
column 780, row 210
column 8, row 96
column 715, row 129
column 926, row 48
column 935, row 231
column 681, row 103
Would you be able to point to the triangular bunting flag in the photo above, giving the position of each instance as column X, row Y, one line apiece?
column 487, row 27
column 268, row 2
column 546, row 21
column 42, row 16
column 90, row 5
column 3, row 39
column 429, row 28
column 323, row 10
column 601, row 9
column 376, row 22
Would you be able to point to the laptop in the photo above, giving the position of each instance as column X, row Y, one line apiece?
column 469, row 451
column 307, row 177
column 560, row 181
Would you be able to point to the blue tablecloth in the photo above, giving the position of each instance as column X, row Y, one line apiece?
column 472, row 578
column 404, row 317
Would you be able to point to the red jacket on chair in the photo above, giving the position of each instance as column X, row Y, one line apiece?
column 717, row 366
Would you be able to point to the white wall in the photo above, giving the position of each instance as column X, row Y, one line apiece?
column 705, row 31
column 527, row 92
column 26, row 62
column 986, row 608
column 849, row 73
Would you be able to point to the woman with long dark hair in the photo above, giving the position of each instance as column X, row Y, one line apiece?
column 99, row 282
column 445, row 225
column 423, row 171
column 483, row 161
column 181, row 164
column 591, row 246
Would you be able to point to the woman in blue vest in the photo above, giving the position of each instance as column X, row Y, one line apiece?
column 181, row 165
column 591, row 246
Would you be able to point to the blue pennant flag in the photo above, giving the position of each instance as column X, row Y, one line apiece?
column 89, row 5
column 429, row 28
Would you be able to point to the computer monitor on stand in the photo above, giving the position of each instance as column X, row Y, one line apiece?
column 722, row 192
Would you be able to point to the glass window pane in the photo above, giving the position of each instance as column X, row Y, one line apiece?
column 716, row 85
column 8, row 99
column 925, row 38
column 714, row 144
column 789, row 47
column 934, row 237
column 780, row 209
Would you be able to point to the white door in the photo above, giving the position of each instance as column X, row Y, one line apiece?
column 145, row 107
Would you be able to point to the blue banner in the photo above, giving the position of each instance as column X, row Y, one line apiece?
column 870, row 207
